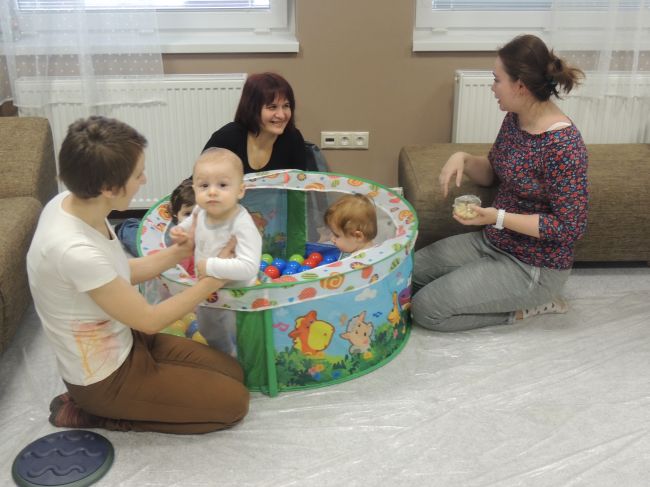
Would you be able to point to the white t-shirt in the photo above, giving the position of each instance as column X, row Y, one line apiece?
column 68, row 258
column 210, row 239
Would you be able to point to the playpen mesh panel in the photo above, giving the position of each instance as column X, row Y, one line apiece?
column 398, row 223
column 326, row 325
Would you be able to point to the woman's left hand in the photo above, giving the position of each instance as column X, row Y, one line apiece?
column 227, row 252
column 184, row 240
column 485, row 216
column 200, row 268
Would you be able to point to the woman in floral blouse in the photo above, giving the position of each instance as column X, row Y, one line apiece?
column 517, row 265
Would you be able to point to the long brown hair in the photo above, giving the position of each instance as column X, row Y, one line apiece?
column 526, row 58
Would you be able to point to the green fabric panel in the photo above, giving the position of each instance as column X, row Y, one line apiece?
column 251, row 349
column 270, row 354
column 296, row 222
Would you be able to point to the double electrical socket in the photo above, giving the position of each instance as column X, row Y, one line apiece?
column 344, row 140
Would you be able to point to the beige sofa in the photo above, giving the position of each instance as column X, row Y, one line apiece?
column 28, row 182
column 619, row 205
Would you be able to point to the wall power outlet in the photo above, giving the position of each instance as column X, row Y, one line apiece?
column 344, row 140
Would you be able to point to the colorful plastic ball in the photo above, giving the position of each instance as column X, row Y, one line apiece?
column 197, row 337
column 328, row 259
column 316, row 257
column 189, row 318
column 296, row 258
column 289, row 270
column 309, row 263
column 272, row 271
column 192, row 329
column 279, row 263
column 333, row 256
column 292, row 264
column 263, row 265
column 177, row 328
column 304, row 268
column 268, row 258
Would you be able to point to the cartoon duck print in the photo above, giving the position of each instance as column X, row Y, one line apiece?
column 311, row 336
column 404, row 298
column 394, row 315
column 358, row 334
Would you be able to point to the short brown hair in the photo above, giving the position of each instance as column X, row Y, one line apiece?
column 351, row 213
column 99, row 153
column 260, row 90
column 183, row 194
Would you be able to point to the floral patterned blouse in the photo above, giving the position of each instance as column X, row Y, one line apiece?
column 543, row 174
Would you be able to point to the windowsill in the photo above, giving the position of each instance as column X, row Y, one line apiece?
column 188, row 42
column 463, row 40
column 228, row 42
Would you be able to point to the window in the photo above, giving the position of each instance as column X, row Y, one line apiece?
column 482, row 25
column 188, row 25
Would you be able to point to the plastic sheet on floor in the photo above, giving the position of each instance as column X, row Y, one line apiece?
column 556, row 400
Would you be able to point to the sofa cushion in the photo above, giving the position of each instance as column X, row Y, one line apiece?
column 19, row 218
column 27, row 157
column 618, row 227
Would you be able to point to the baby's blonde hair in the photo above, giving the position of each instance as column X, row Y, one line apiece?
column 351, row 213
column 219, row 154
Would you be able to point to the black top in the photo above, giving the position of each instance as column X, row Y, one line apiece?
column 288, row 150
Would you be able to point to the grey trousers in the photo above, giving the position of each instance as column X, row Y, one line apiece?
column 219, row 328
column 464, row 282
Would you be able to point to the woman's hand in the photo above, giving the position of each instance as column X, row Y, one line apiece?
column 485, row 216
column 453, row 169
column 178, row 235
column 227, row 252
column 184, row 239
column 150, row 266
column 200, row 268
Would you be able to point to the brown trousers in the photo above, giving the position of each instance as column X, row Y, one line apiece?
column 170, row 385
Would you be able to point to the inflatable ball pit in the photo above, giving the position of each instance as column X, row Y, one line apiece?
column 319, row 327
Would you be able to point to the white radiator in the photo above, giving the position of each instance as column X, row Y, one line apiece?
column 612, row 119
column 182, row 114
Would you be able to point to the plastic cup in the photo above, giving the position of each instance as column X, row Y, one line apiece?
column 462, row 206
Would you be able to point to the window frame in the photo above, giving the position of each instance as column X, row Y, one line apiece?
column 474, row 30
column 229, row 31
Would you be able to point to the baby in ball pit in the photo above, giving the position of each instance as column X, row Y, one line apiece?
column 352, row 223
column 352, row 220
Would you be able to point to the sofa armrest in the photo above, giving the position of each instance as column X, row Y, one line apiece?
column 418, row 170
column 27, row 156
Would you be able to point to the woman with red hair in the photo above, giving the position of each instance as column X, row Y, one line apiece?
column 264, row 134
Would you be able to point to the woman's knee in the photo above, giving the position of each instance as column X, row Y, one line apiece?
column 422, row 274
column 424, row 312
column 238, row 404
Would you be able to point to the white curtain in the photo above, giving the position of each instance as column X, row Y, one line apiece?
column 78, row 46
column 612, row 45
